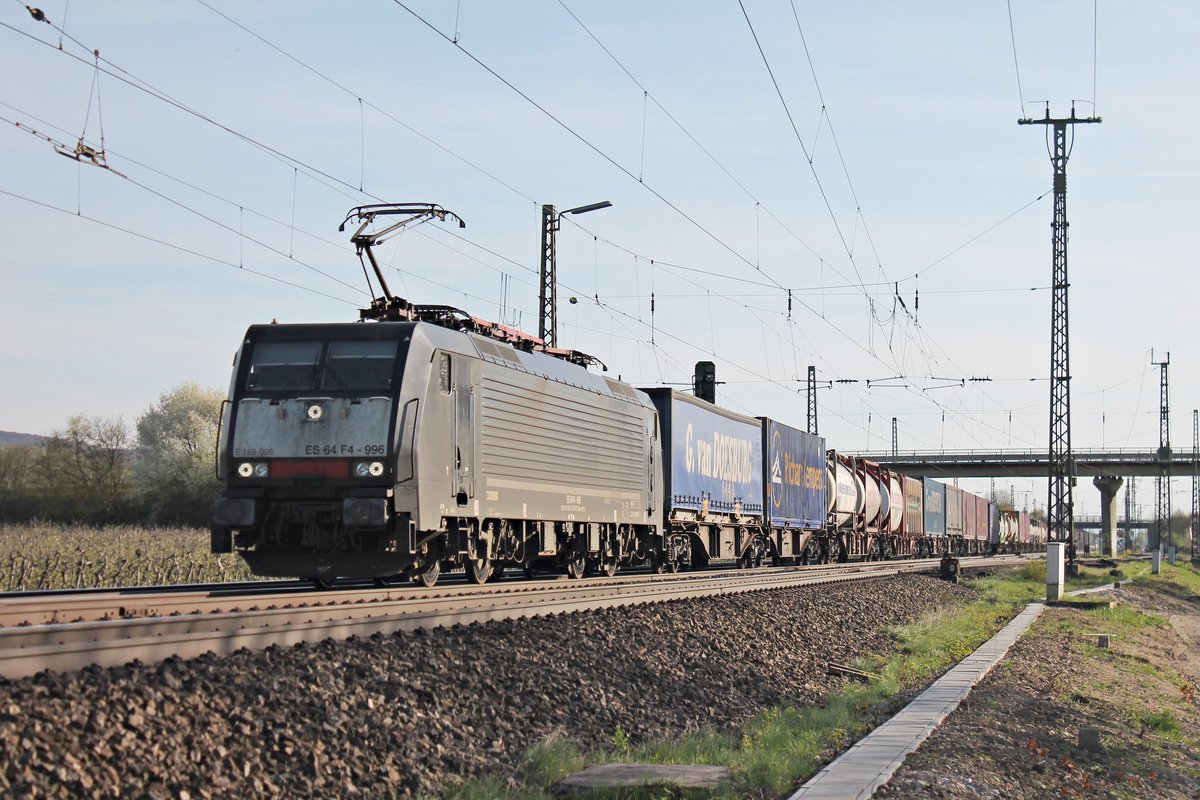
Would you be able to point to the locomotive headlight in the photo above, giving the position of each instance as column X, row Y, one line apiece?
column 315, row 412
column 364, row 469
column 250, row 469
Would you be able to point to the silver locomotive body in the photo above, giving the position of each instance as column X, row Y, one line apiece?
column 390, row 448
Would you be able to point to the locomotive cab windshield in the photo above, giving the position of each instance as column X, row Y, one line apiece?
column 337, row 365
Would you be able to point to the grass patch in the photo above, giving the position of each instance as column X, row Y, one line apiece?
column 780, row 747
column 1163, row 723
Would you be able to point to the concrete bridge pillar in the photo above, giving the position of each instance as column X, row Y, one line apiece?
column 1108, row 486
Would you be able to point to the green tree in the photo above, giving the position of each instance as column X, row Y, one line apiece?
column 177, row 437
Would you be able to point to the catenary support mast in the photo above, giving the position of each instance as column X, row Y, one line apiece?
column 812, row 400
column 1060, row 502
column 1162, row 484
column 1195, row 481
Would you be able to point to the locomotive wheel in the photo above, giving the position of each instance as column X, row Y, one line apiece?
column 324, row 584
column 479, row 569
column 428, row 574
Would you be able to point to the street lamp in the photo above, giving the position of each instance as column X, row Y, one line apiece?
column 548, row 295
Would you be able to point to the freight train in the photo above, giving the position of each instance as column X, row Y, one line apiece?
column 422, row 439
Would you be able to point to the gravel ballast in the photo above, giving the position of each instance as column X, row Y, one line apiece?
column 397, row 715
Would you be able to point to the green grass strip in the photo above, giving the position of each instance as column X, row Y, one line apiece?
column 782, row 746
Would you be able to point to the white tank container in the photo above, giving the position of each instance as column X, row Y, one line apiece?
column 849, row 494
column 896, row 508
column 873, row 500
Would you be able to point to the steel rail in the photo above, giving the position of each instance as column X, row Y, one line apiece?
column 48, row 608
column 28, row 650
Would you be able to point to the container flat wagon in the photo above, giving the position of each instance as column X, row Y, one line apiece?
column 934, row 507
column 713, row 482
column 795, row 490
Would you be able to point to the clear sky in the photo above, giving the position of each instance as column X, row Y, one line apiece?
column 238, row 135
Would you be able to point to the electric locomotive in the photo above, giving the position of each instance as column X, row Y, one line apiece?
column 420, row 438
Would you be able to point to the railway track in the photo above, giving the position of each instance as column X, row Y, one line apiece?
column 115, row 628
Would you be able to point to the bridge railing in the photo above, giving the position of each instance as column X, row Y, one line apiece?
column 1133, row 455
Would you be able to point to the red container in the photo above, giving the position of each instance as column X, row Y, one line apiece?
column 914, row 506
column 969, row 520
column 983, row 518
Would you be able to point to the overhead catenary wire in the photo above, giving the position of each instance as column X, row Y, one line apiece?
column 241, row 234
column 586, row 142
column 378, row 109
column 294, row 167
column 174, row 246
column 493, row 73
column 1016, row 66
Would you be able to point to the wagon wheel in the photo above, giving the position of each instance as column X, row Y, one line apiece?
column 479, row 570
column 577, row 566
column 608, row 567
column 323, row 583
column 427, row 573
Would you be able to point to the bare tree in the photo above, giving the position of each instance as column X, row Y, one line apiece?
column 86, row 467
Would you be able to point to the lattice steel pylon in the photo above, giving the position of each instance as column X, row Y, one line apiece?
column 548, row 278
column 812, row 400
column 1195, row 481
column 1130, row 510
column 1060, row 504
column 895, row 439
column 1162, row 484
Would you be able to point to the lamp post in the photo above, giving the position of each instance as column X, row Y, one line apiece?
column 548, row 294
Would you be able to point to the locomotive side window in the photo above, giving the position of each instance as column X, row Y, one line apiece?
column 283, row 365
column 360, row 365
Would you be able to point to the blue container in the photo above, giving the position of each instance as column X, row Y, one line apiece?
column 712, row 458
column 935, row 507
column 796, row 490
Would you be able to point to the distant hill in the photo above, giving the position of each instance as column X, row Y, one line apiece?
column 27, row 439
